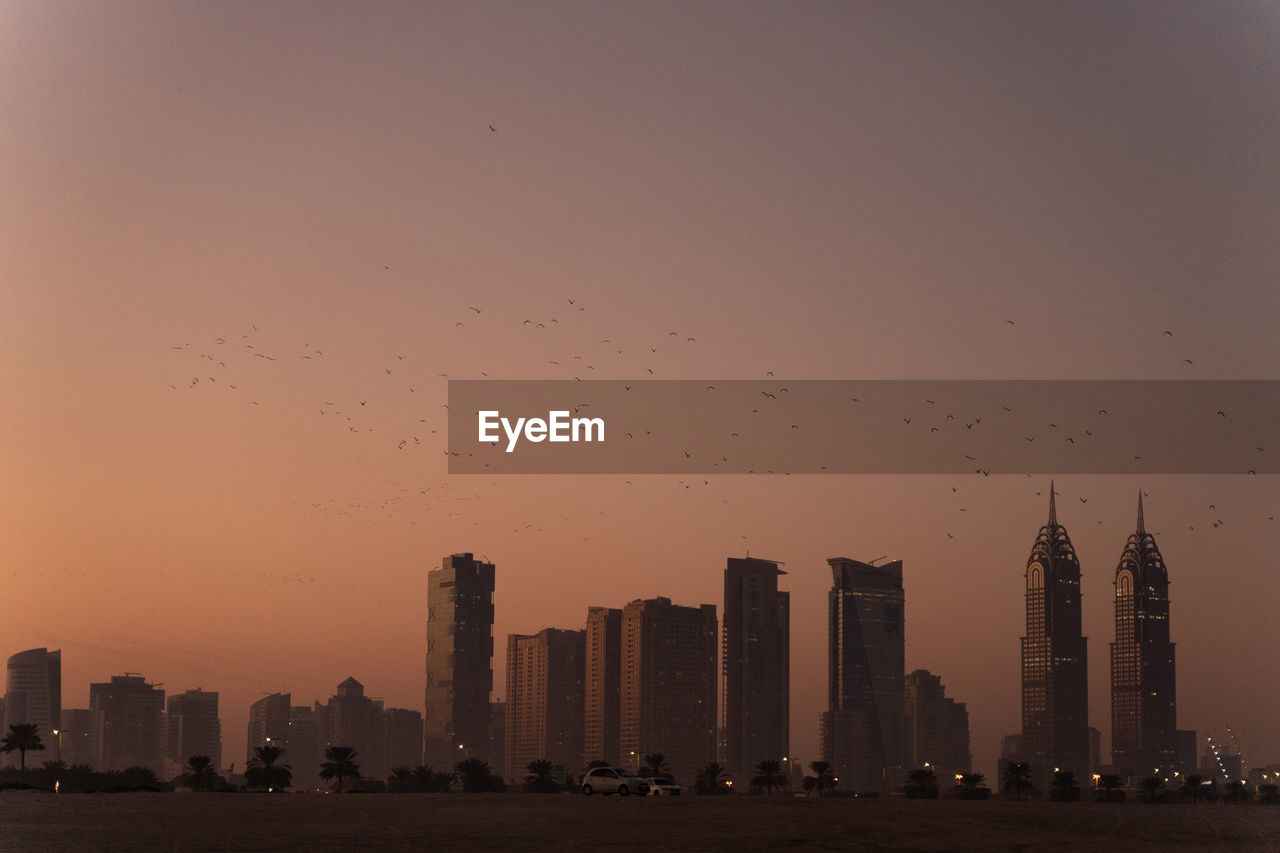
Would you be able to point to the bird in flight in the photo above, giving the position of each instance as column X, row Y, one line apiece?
column 492, row 129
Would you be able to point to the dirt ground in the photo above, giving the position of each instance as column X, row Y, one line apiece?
column 34, row 821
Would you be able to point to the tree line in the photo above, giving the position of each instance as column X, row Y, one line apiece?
column 267, row 771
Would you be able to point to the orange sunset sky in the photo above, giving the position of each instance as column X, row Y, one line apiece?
column 229, row 227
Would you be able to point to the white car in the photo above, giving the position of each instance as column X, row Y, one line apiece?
column 660, row 786
column 612, row 780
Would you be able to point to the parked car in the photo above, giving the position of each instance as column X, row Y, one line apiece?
column 663, row 787
column 613, row 780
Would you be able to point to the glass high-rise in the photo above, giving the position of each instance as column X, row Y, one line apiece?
column 1055, row 693
column 1144, row 735
column 863, row 730
column 459, row 661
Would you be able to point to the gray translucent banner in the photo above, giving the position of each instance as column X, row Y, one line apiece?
column 783, row 426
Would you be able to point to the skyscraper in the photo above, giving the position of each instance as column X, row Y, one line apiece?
column 756, row 661
column 544, row 711
column 304, row 747
column 1055, row 697
column 33, row 695
column 937, row 727
column 127, row 723
column 76, row 744
column 192, row 728
column 352, row 719
column 602, row 691
column 862, row 732
column 668, row 685
column 459, row 660
column 404, row 737
column 269, row 724
column 1144, row 733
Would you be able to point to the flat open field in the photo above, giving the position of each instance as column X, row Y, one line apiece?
column 307, row 822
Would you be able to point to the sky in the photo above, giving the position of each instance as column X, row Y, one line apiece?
column 244, row 246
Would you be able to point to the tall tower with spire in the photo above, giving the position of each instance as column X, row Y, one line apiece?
column 1055, row 693
column 1143, row 710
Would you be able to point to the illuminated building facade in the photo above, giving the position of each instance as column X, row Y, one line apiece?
column 1144, row 733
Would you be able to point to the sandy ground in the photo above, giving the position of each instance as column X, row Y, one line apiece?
column 32, row 821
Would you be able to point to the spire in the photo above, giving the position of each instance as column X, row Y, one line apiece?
column 1141, row 528
column 1053, row 512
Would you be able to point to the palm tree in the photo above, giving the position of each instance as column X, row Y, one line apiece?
column 824, row 779
column 970, row 785
column 1151, row 787
column 539, row 780
column 921, row 784
column 199, row 774
column 1017, row 777
column 656, row 762
column 442, row 781
column 339, row 763
column 711, row 779
column 1063, row 788
column 401, row 781
column 423, row 778
column 769, row 775
column 1193, row 787
column 474, row 774
column 1110, row 785
column 263, row 771
column 23, row 737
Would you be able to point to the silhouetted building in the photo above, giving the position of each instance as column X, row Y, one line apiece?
column 192, row 728
column 268, row 723
column 862, row 732
column 1188, row 743
column 545, row 705
column 33, row 696
column 937, row 727
column 1012, row 749
column 1222, row 762
column 128, row 727
column 303, row 747
column 274, row 721
column 1055, row 691
column 1095, row 752
column 497, row 736
column 459, row 659
column 668, row 682
column 404, row 738
column 76, row 744
column 756, row 661
column 1143, row 710
column 352, row 719
column 603, row 686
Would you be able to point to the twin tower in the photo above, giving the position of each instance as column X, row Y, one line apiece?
column 1055, row 694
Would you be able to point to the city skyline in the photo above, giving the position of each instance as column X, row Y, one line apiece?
column 247, row 241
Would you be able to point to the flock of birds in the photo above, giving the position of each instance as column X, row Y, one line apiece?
column 399, row 406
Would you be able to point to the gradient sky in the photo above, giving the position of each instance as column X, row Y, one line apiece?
column 819, row 190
